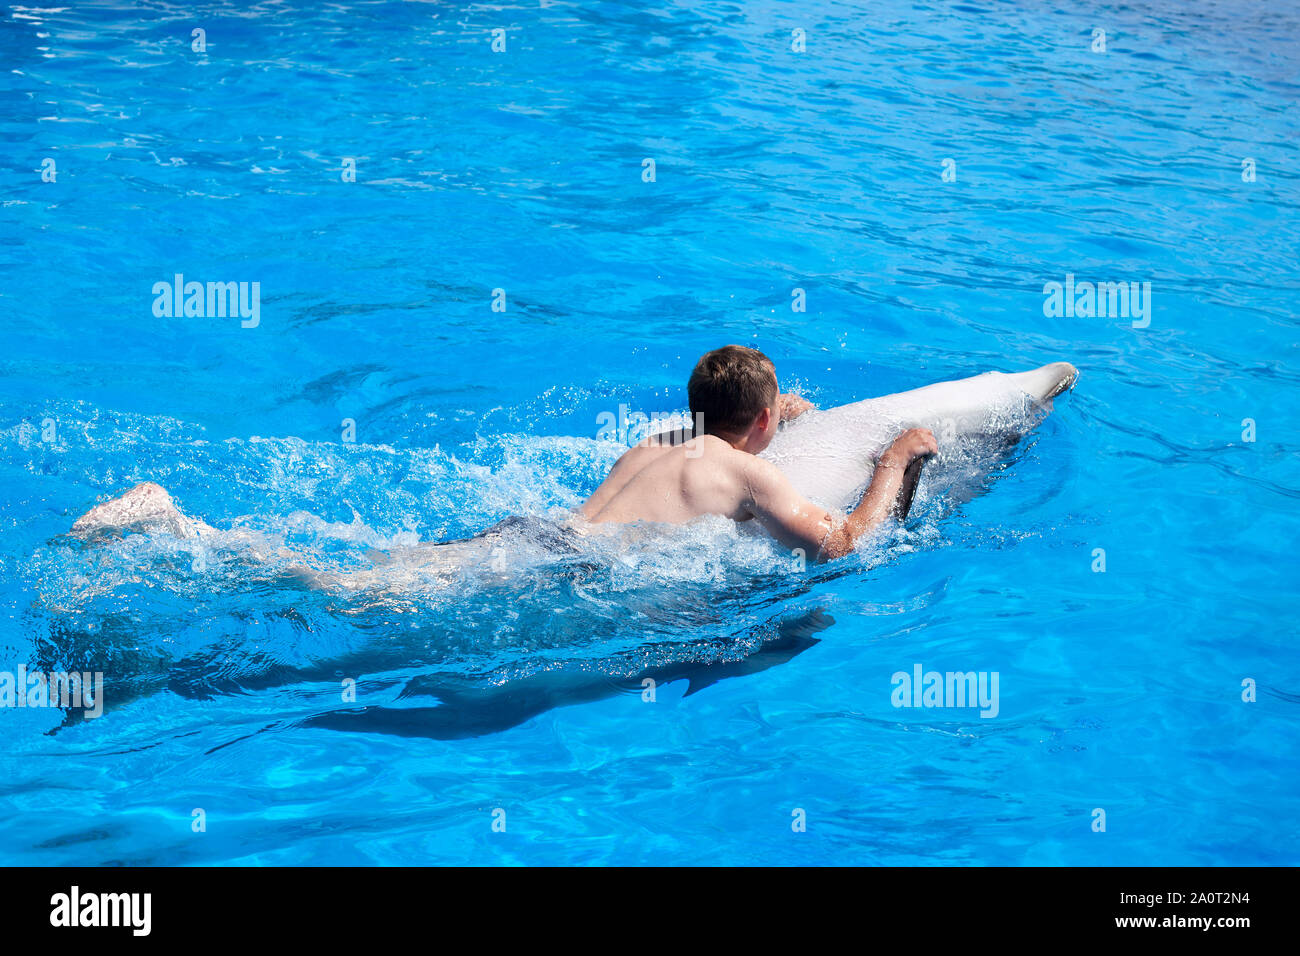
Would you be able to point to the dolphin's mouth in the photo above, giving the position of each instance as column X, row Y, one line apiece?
column 1069, row 375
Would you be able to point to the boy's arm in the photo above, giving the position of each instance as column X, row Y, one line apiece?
column 792, row 406
column 882, row 493
column 797, row 523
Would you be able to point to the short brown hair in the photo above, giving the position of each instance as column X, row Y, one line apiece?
column 730, row 387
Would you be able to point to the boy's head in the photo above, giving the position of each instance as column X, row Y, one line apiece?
column 735, row 390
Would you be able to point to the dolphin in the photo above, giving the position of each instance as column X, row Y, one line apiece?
column 828, row 455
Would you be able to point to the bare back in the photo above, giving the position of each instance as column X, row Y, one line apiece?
column 673, row 483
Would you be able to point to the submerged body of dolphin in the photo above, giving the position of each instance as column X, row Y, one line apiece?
column 471, row 709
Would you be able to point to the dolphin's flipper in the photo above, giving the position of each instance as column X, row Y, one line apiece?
column 911, row 477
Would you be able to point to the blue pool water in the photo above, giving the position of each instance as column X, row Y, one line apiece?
column 523, row 171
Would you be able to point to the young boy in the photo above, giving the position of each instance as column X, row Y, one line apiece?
column 734, row 393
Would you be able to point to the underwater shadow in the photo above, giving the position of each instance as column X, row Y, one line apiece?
column 470, row 709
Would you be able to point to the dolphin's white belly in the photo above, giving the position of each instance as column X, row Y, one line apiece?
column 828, row 454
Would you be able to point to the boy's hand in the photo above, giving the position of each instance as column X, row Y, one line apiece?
column 907, row 447
column 792, row 406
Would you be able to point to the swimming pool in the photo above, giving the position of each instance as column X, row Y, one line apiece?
column 921, row 171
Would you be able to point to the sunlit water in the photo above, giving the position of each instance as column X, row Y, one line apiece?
column 514, row 682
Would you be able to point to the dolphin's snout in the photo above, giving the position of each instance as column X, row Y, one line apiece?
column 1065, row 376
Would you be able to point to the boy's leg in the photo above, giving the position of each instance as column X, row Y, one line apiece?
column 147, row 507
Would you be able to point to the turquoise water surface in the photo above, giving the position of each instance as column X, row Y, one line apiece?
column 920, row 170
